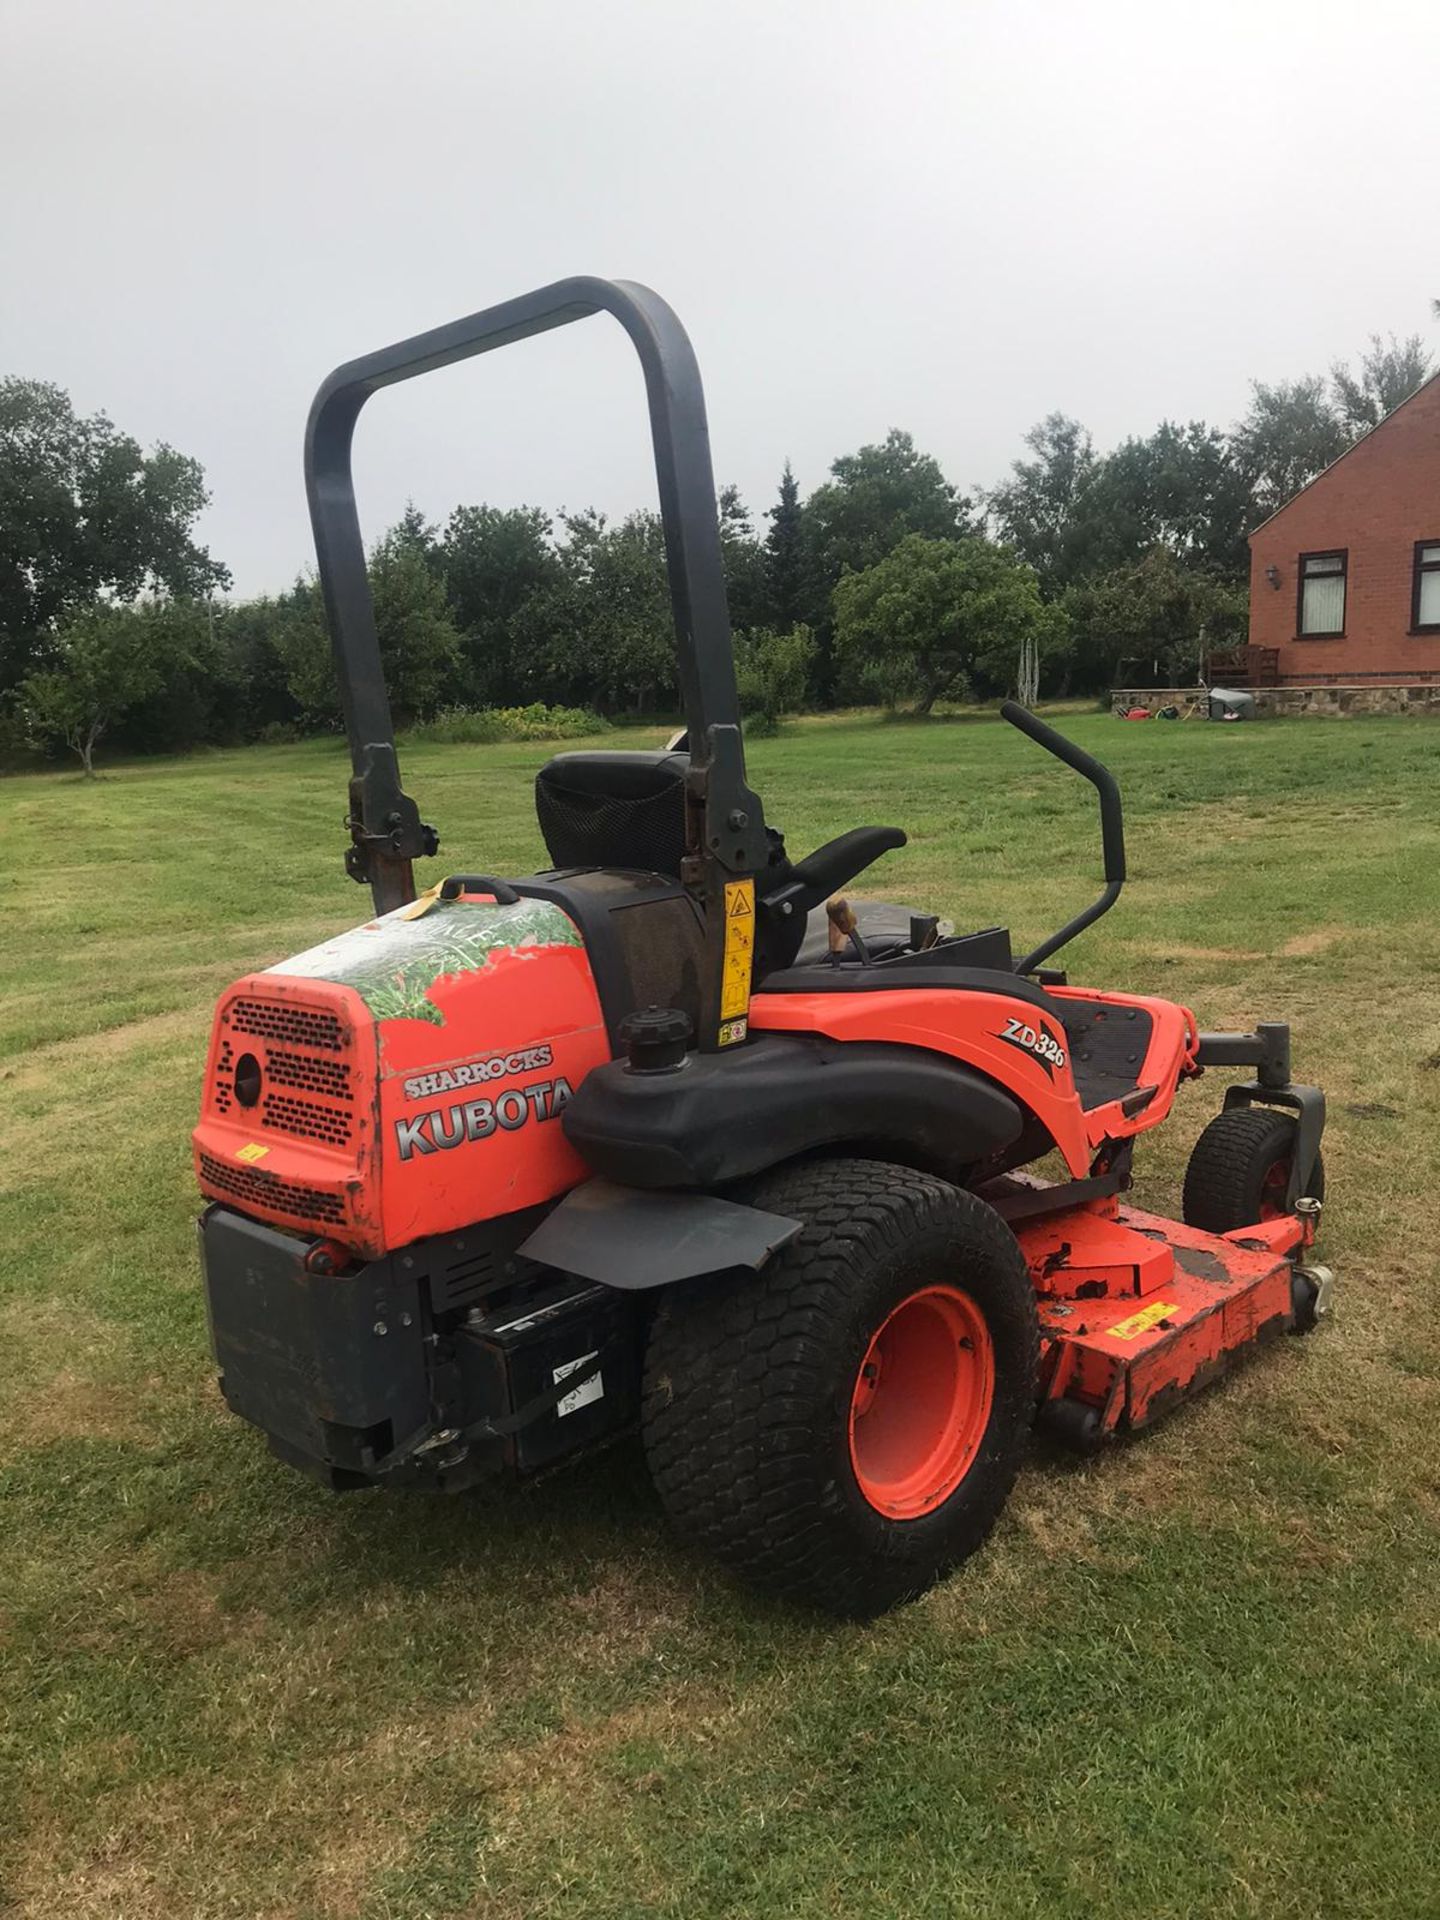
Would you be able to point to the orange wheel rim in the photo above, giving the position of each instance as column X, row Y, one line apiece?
column 1273, row 1190
column 921, row 1402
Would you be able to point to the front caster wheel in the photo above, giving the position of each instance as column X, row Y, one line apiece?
column 1239, row 1172
column 844, row 1427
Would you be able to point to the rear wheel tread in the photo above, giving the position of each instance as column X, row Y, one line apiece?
column 736, row 1364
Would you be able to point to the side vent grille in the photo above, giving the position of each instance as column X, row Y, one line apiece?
column 308, row 1093
column 294, row 1025
column 256, row 1189
column 305, row 1118
column 463, row 1282
column 225, row 1079
column 330, row 1077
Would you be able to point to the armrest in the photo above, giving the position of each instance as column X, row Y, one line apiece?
column 832, row 866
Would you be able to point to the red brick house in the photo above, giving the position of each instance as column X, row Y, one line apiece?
column 1345, row 578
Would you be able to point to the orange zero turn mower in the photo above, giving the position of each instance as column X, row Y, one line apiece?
column 669, row 1135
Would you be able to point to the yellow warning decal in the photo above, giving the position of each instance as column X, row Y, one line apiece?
column 739, row 959
column 252, row 1151
column 1142, row 1322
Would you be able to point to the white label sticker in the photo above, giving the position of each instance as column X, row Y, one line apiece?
column 588, row 1390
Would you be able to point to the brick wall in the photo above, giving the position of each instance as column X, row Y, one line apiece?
column 1377, row 501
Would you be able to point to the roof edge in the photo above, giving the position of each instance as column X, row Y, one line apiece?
column 1368, row 434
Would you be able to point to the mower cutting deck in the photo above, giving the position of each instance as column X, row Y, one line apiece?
column 1136, row 1311
column 671, row 1134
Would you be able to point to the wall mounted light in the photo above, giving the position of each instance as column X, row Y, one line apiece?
column 1272, row 574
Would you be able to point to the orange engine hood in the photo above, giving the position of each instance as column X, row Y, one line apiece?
column 405, row 1078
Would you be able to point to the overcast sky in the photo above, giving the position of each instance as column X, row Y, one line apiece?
column 945, row 215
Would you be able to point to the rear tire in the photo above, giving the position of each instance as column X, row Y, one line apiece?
column 1240, row 1169
column 845, row 1426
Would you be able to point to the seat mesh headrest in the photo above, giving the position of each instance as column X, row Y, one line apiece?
column 614, row 810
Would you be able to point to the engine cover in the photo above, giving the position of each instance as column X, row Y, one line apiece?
column 407, row 1077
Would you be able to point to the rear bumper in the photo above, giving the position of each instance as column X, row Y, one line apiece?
column 381, row 1374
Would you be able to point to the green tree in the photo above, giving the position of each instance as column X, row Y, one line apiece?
column 1154, row 616
column 785, row 555
column 772, row 671
column 874, row 499
column 747, row 577
column 1390, row 371
column 254, row 635
column 104, row 665
column 420, row 648
column 1291, row 433
column 419, row 534
column 495, row 562
column 1180, row 488
column 1039, row 510
column 419, row 643
column 1293, row 430
column 200, row 697
column 935, row 616
column 85, row 514
column 604, row 635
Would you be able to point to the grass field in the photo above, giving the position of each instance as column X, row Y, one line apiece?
column 1201, row 1676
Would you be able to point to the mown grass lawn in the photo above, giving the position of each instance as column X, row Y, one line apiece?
column 1201, row 1676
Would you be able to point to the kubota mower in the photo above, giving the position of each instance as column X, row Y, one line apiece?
column 668, row 1134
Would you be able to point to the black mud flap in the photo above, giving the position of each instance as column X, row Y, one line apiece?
column 632, row 1239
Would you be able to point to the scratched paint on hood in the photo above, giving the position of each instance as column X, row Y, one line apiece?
column 393, row 962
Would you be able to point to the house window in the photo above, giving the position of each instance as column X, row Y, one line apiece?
column 1425, row 599
column 1322, row 594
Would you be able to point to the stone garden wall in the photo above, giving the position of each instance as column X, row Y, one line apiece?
column 1334, row 702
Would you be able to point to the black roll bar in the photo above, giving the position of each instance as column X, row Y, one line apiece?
column 386, row 830
column 1112, row 826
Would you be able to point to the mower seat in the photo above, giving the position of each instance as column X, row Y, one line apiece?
column 619, row 810
column 625, row 812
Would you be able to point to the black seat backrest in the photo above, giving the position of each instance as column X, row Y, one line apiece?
column 624, row 809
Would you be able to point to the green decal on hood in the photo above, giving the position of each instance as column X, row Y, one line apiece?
column 392, row 962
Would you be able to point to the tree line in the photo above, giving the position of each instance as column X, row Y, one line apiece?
column 885, row 583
